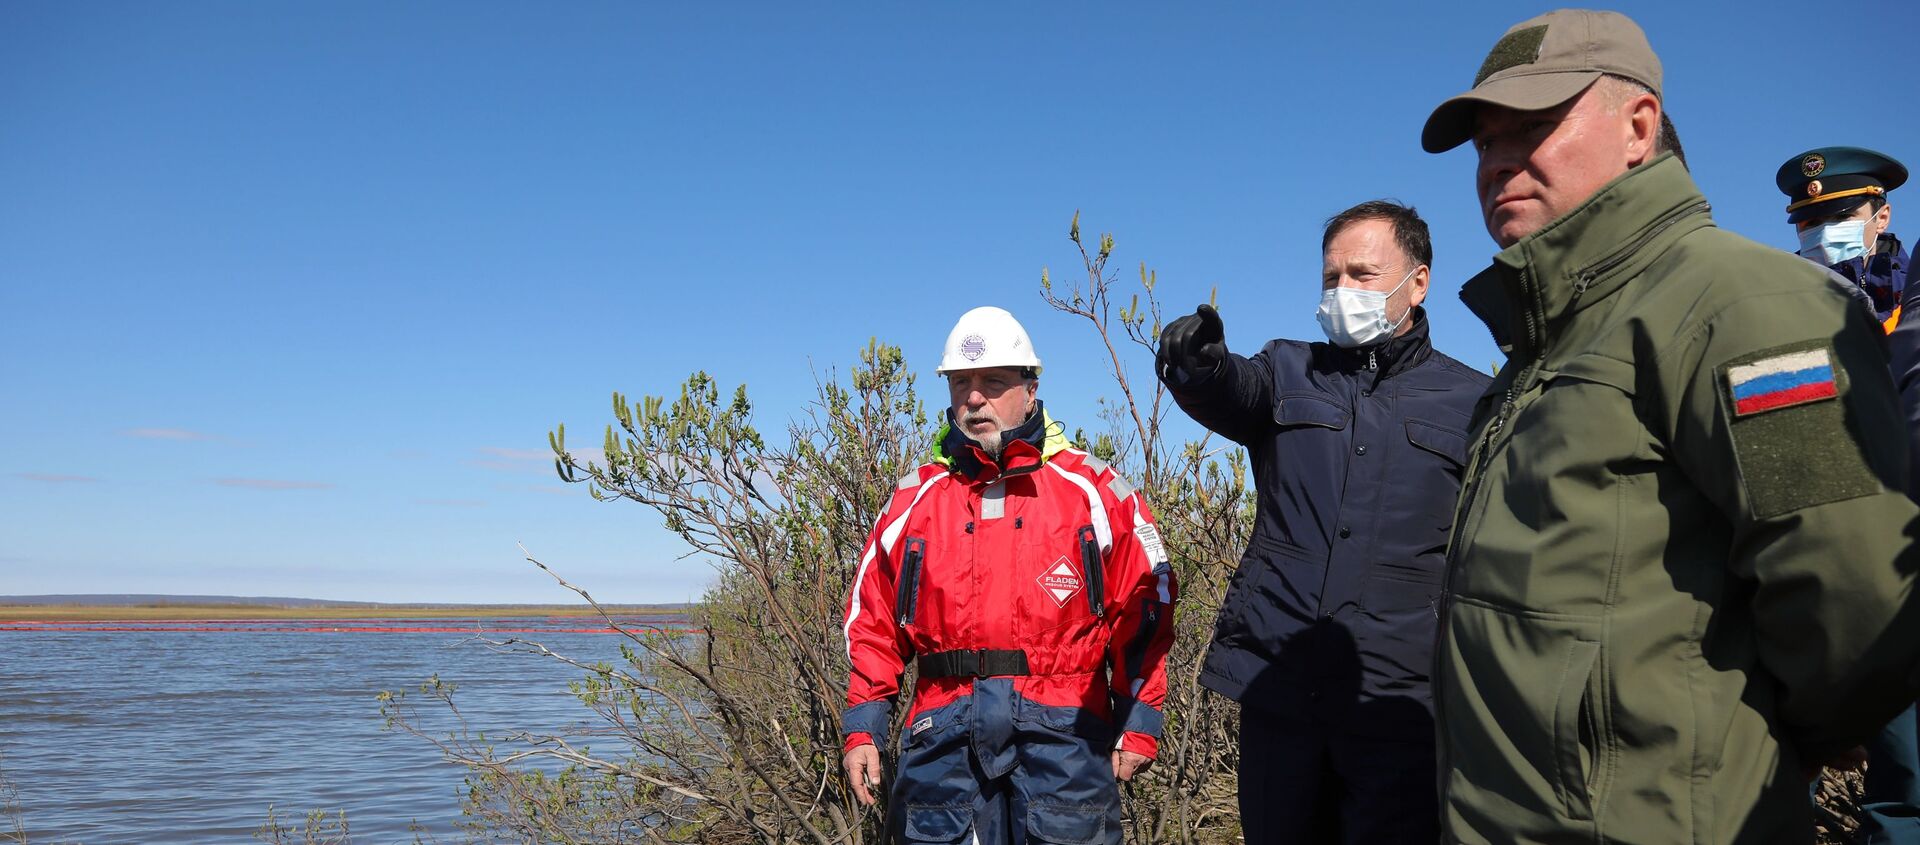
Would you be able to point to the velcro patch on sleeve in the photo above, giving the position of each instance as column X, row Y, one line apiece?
column 1782, row 381
column 1793, row 440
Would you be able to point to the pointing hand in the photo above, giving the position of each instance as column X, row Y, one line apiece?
column 1196, row 343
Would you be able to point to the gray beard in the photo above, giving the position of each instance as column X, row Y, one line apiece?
column 992, row 444
column 995, row 443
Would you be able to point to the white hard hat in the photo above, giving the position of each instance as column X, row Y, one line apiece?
column 988, row 337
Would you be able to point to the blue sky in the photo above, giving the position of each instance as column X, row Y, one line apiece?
column 294, row 291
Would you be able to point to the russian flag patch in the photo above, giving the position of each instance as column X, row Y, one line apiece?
column 1782, row 381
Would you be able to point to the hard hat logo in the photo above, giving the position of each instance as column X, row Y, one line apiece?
column 973, row 347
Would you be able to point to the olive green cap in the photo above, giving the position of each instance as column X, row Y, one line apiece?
column 1543, row 62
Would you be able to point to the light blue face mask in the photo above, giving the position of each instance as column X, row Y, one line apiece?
column 1832, row 243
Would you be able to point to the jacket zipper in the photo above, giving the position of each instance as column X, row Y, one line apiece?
column 907, row 600
column 1090, row 561
column 1468, row 500
column 1599, row 268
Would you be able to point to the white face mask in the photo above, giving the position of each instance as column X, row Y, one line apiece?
column 1353, row 317
column 1832, row 243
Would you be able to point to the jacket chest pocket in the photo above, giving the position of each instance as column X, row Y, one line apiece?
column 1308, row 454
column 1580, row 428
column 1567, row 496
column 1068, row 587
column 1292, row 410
column 1430, row 482
column 906, row 600
column 1416, row 519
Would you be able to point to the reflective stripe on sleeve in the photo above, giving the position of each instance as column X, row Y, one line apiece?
column 1095, row 507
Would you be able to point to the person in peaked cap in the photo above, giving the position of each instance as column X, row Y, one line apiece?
column 1837, row 200
column 1681, row 576
column 1838, row 204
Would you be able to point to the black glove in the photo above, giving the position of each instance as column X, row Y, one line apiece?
column 1196, row 343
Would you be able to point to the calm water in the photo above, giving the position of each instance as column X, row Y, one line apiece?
column 149, row 738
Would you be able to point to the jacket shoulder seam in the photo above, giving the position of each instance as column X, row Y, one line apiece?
column 1086, row 470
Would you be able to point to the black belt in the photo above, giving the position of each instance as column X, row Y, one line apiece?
column 980, row 663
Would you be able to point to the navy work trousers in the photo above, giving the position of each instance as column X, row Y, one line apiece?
column 1302, row 784
column 996, row 768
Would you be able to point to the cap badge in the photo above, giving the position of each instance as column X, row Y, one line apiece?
column 973, row 347
column 1814, row 188
column 1813, row 165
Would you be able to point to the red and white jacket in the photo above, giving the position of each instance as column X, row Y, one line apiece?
column 997, row 556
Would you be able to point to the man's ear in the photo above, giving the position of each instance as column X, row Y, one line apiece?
column 1417, row 286
column 1883, row 219
column 1643, row 128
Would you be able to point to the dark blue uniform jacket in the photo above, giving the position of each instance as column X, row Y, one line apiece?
column 1892, row 791
column 1887, row 269
column 1881, row 276
column 1357, row 456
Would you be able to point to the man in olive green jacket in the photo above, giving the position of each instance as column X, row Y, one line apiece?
column 1681, row 568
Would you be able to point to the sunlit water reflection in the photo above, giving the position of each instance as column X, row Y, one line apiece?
column 150, row 737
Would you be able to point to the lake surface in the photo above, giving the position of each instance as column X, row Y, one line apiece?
column 160, row 733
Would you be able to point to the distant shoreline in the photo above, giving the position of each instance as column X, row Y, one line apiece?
column 227, row 612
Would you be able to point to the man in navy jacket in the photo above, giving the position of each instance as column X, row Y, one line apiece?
column 1326, row 635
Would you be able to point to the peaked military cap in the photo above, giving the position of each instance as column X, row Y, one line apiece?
column 1835, row 180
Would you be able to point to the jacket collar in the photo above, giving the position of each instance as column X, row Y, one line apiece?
column 1027, row 446
column 1882, row 275
column 1888, row 244
column 1391, row 356
column 1585, row 255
